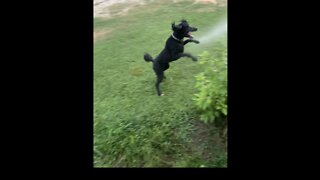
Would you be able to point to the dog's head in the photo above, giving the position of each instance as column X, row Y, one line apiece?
column 183, row 29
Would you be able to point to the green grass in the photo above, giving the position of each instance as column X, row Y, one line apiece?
column 133, row 127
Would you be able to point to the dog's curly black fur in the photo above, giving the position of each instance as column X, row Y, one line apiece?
column 172, row 51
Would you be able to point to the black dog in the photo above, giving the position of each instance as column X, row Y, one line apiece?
column 172, row 51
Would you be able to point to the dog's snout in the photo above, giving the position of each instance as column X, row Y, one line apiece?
column 193, row 29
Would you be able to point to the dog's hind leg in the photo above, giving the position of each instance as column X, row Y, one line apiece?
column 159, row 79
column 165, row 68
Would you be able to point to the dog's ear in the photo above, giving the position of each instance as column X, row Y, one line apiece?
column 173, row 26
column 176, row 27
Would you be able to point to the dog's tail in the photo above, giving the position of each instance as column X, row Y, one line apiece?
column 148, row 57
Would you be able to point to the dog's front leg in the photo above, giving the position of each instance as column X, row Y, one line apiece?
column 190, row 40
column 180, row 55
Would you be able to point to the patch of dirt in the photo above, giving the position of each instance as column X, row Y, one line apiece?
column 205, row 9
column 101, row 33
column 216, row 2
column 206, row 1
column 206, row 139
column 106, row 8
column 109, row 8
column 136, row 71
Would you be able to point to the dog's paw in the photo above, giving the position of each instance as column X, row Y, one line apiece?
column 162, row 94
column 194, row 59
column 196, row 41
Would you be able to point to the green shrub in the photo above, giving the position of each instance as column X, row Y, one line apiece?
column 211, row 98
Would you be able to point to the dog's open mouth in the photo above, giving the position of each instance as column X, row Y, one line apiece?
column 190, row 36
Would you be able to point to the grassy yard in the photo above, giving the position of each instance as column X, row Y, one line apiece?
column 133, row 127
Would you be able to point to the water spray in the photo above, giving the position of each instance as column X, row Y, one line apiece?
column 218, row 30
